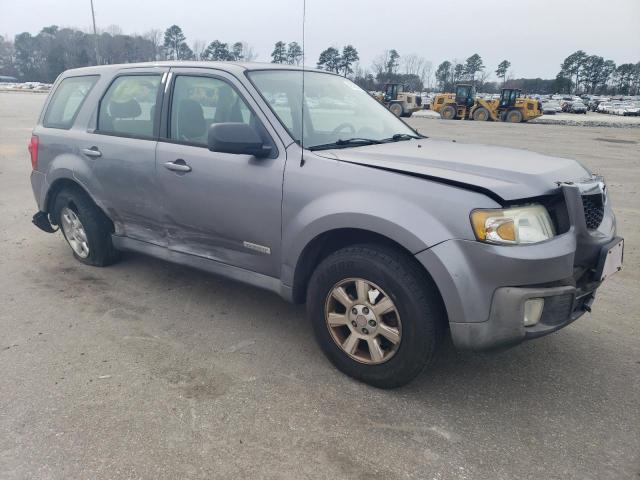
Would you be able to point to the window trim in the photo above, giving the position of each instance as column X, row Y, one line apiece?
column 158, row 113
column 75, row 115
column 165, row 131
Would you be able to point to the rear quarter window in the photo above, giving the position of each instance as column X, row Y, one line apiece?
column 128, row 107
column 67, row 100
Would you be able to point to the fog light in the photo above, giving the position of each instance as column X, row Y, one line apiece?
column 533, row 311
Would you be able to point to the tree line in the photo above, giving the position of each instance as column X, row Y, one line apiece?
column 583, row 73
column 44, row 56
column 579, row 73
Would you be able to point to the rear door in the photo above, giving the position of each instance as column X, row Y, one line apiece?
column 225, row 207
column 119, row 148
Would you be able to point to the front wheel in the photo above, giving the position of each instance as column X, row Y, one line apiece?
column 396, row 109
column 513, row 116
column 376, row 314
column 449, row 112
column 481, row 114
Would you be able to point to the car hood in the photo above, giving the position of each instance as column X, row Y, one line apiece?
column 507, row 173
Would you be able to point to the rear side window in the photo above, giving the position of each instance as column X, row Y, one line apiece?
column 128, row 108
column 67, row 100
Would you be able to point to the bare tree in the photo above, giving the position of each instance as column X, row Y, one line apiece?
column 482, row 78
column 250, row 54
column 427, row 75
column 155, row 36
column 380, row 63
column 414, row 64
column 411, row 64
column 198, row 49
column 113, row 30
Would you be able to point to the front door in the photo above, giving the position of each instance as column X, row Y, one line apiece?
column 120, row 153
column 225, row 207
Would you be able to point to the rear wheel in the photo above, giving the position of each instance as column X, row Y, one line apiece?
column 513, row 116
column 375, row 314
column 481, row 114
column 449, row 112
column 396, row 109
column 85, row 227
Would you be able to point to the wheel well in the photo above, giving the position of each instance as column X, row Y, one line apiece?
column 329, row 242
column 67, row 184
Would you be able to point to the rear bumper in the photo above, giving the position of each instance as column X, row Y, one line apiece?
column 39, row 187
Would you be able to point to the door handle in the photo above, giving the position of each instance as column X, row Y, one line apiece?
column 178, row 166
column 92, row 152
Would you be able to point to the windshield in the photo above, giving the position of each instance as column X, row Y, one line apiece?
column 336, row 110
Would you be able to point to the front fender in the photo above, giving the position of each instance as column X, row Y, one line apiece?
column 323, row 194
column 383, row 214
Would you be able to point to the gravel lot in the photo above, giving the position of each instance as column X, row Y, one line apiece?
column 150, row 370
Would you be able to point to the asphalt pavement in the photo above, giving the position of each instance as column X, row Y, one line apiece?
column 155, row 371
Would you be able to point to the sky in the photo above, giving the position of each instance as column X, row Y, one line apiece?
column 534, row 35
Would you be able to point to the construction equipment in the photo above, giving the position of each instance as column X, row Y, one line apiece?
column 464, row 105
column 399, row 101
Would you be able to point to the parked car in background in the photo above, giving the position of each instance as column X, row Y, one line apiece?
column 633, row 109
column 577, row 107
column 604, row 107
column 625, row 109
column 618, row 108
column 550, row 108
column 592, row 105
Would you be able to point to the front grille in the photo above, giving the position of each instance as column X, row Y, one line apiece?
column 593, row 210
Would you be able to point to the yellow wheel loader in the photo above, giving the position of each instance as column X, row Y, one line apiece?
column 464, row 105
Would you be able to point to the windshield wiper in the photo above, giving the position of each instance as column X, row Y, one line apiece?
column 401, row 136
column 349, row 142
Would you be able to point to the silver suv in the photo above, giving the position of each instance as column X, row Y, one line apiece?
column 303, row 184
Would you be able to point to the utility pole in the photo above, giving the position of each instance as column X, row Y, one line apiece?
column 95, row 33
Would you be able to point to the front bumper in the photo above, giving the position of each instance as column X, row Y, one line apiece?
column 505, row 326
column 484, row 287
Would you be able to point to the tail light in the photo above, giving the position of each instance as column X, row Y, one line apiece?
column 33, row 151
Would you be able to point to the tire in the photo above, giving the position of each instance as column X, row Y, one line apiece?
column 94, row 223
column 419, row 314
column 513, row 116
column 449, row 112
column 396, row 109
column 481, row 114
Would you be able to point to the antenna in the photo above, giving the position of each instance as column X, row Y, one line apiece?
column 304, row 19
column 95, row 33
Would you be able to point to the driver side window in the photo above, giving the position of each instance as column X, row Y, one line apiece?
column 199, row 102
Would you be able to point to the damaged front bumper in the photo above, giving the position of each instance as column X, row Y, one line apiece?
column 485, row 288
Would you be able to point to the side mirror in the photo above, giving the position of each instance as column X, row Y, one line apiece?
column 238, row 138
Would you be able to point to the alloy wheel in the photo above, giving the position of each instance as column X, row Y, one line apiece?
column 363, row 321
column 74, row 232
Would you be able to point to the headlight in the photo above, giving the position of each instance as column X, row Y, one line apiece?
column 512, row 226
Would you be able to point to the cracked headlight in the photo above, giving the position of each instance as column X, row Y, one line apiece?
column 512, row 226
